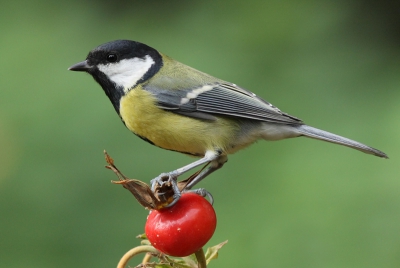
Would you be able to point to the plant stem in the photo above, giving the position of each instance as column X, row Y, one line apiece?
column 146, row 258
column 133, row 252
column 201, row 258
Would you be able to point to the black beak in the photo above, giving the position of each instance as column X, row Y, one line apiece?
column 80, row 67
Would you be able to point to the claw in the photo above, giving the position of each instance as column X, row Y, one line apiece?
column 162, row 179
column 167, row 178
column 171, row 179
column 159, row 180
column 202, row 192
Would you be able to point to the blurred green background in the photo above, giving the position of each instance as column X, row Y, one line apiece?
column 294, row 203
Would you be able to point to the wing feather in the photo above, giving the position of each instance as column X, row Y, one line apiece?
column 220, row 99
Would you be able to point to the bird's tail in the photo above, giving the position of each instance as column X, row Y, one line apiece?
column 330, row 137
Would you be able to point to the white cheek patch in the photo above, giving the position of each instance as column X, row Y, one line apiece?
column 195, row 92
column 126, row 73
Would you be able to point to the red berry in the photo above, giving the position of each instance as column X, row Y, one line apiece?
column 184, row 228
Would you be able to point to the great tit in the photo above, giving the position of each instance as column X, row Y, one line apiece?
column 176, row 107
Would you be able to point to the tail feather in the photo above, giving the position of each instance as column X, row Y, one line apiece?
column 330, row 137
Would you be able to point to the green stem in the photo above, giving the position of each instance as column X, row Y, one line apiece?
column 133, row 252
column 146, row 258
column 201, row 258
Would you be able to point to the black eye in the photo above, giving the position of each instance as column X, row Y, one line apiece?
column 112, row 57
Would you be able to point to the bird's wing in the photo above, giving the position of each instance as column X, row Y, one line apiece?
column 219, row 99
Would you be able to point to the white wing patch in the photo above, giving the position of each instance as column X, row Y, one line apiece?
column 127, row 72
column 195, row 92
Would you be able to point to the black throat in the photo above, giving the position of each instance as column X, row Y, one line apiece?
column 113, row 92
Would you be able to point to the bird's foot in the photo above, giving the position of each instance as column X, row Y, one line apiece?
column 168, row 180
column 202, row 192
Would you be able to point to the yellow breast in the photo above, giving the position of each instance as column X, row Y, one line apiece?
column 172, row 131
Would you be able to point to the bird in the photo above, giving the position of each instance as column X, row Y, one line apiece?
column 178, row 108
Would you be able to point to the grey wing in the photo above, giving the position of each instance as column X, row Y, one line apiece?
column 220, row 99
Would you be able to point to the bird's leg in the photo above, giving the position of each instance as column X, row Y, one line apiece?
column 214, row 165
column 171, row 177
